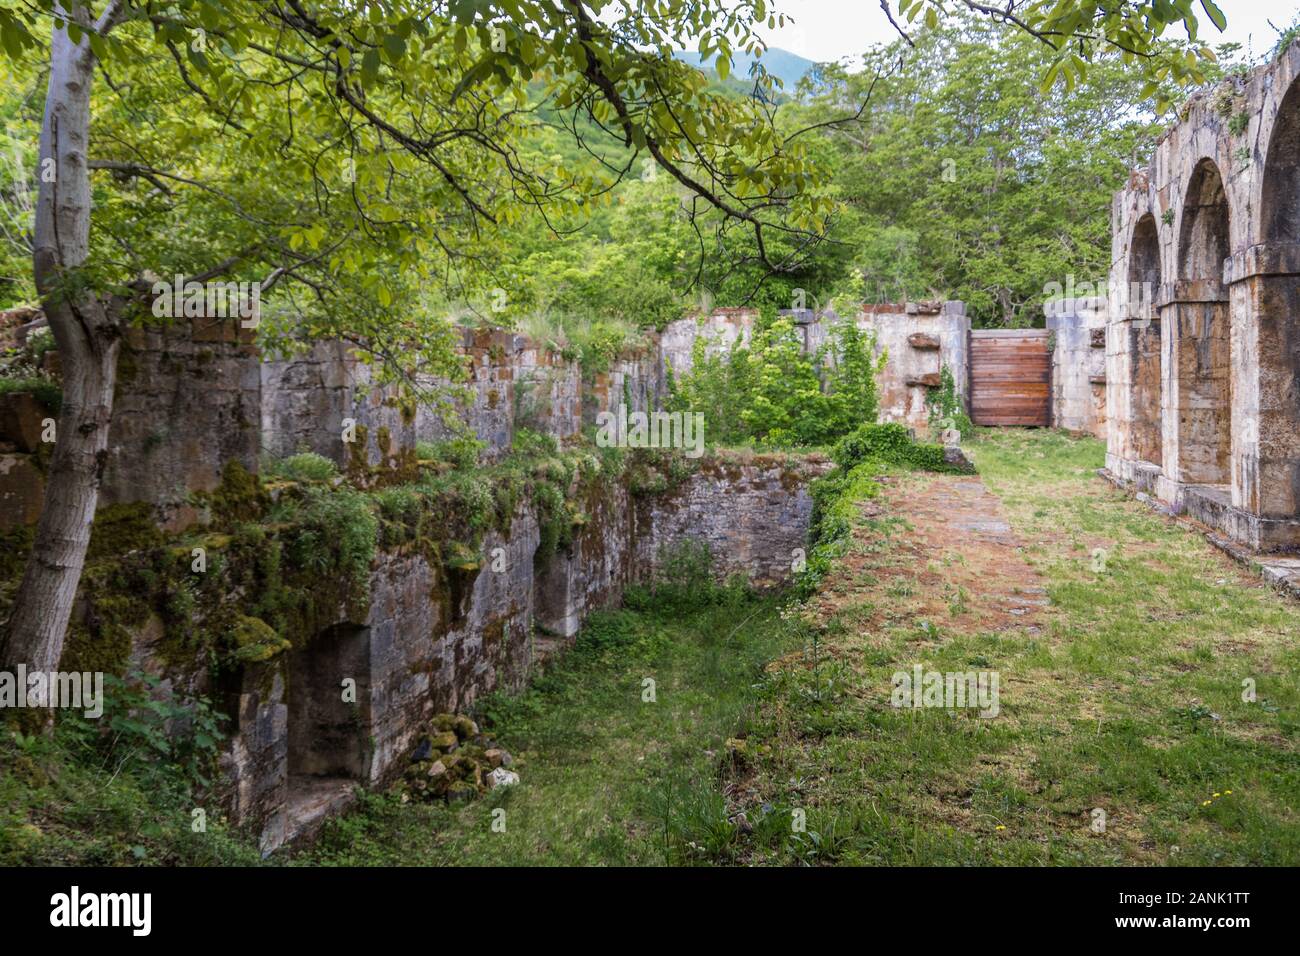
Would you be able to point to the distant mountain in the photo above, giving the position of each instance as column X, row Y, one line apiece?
column 788, row 66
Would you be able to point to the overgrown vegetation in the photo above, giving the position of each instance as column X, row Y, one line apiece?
column 283, row 556
column 132, row 787
column 946, row 408
column 771, row 392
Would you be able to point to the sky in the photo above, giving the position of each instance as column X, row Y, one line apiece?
column 830, row 29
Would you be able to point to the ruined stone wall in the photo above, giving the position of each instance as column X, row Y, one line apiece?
column 188, row 400
column 920, row 340
column 752, row 513
column 510, row 383
column 1078, row 328
column 431, row 643
column 1211, row 228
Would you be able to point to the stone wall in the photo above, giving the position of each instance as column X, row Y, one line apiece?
column 1078, row 328
column 1203, row 345
column 920, row 340
column 188, row 400
column 429, row 644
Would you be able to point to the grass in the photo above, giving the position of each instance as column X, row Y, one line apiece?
column 1127, row 698
column 608, row 777
column 771, row 738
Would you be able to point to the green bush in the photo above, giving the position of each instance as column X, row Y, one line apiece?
column 46, row 390
column 888, row 443
column 773, row 393
column 305, row 466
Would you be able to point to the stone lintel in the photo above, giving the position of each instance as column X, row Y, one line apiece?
column 1265, row 259
column 1191, row 292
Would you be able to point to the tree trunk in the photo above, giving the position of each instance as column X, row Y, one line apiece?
column 87, row 332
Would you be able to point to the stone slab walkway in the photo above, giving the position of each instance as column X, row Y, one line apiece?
column 948, row 557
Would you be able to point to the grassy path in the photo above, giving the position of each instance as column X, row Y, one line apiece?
column 1120, row 694
column 607, row 775
column 1121, row 644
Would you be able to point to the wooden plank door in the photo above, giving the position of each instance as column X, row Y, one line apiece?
column 1010, row 377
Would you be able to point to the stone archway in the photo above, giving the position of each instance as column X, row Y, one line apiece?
column 1196, row 342
column 1143, row 343
column 1267, row 288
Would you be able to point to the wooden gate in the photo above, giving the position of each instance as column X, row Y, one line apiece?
column 1010, row 377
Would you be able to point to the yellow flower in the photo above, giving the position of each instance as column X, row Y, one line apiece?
column 1206, row 803
column 1218, row 795
column 1226, row 792
column 999, row 828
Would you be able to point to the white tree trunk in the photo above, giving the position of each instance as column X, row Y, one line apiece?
column 86, row 330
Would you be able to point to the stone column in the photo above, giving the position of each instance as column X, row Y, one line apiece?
column 1195, row 344
column 1264, row 281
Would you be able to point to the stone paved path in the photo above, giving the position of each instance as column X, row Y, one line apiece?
column 947, row 557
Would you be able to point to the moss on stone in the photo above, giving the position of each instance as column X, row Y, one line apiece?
column 121, row 528
column 239, row 497
column 252, row 640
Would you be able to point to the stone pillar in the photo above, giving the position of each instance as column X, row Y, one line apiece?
column 1078, row 363
column 1195, row 342
column 1264, row 281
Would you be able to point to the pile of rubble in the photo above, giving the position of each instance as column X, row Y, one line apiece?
column 453, row 761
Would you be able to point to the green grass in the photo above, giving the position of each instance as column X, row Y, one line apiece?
column 607, row 778
column 1127, row 700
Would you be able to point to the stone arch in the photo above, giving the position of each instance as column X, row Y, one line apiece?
column 1144, row 341
column 1267, row 461
column 1203, row 243
column 1280, row 198
column 1196, row 339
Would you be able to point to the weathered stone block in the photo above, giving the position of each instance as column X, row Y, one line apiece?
column 21, row 420
column 22, row 491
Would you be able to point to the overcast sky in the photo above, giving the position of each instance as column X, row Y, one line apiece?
column 831, row 29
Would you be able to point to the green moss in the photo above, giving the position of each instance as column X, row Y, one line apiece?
column 83, row 651
column 252, row 640
column 239, row 497
column 15, row 545
column 358, row 457
column 121, row 528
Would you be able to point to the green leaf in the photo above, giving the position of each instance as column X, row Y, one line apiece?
column 1215, row 14
column 395, row 47
column 370, row 67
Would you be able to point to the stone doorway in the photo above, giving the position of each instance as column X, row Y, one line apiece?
column 328, row 724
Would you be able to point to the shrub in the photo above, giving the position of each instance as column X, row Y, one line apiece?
column 945, row 406
column 887, row 443
column 771, row 391
column 45, row 389
column 305, row 466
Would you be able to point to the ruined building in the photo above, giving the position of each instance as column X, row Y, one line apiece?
column 1203, row 338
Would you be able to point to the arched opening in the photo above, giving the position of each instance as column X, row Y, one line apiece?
column 1144, row 341
column 1280, row 200
column 328, row 723
column 1268, row 461
column 1199, row 367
